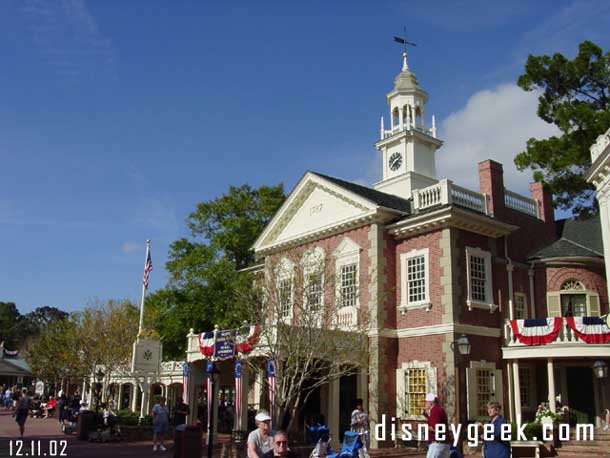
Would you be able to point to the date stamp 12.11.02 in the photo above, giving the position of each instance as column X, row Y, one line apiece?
column 37, row 447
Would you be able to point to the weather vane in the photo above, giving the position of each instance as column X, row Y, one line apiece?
column 404, row 42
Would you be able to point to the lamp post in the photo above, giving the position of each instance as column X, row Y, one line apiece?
column 99, row 377
column 600, row 370
column 461, row 348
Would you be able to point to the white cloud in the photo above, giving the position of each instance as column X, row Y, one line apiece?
column 130, row 247
column 494, row 124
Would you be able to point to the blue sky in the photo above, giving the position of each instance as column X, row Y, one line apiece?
column 116, row 118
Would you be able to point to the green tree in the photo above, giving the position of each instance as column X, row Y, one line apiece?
column 10, row 322
column 575, row 98
column 204, row 267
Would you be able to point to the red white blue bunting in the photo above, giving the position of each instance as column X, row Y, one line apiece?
column 591, row 329
column 538, row 331
column 245, row 344
column 206, row 343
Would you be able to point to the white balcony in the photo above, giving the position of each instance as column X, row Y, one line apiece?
column 566, row 344
column 445, row 193
column 521, row 203
column 407, row 127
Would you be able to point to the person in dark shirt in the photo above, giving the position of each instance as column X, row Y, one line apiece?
column 280, row 447
column 181, row 411
column 436, row 415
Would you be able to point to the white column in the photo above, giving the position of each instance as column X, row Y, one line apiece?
column 333, row 406
column 392, row 120
column 90, row 398
column 258, row 389
column 517, row 391
column 511, row 408
column 408, row 116
column 84, row 389
column 551, row 376
column 134, row 397
column 144, row 404
column 530, row 273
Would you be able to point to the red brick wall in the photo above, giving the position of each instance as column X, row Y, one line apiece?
column 420, row 317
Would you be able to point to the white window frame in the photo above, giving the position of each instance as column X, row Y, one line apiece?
column 487, row 304
column 347, row 253
column 285, row 271
column 473, row 388
column 313, row 263
column 405, row 305
column 553, row 299
column 522, row 296
column 401, row 387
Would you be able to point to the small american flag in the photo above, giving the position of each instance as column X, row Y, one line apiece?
column 148, row 267
column 271, row 382
column 185, row 381
column 238, row 391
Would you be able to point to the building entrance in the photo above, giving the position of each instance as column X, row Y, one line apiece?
column 580, row 394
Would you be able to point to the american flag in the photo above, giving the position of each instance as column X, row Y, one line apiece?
column 238, row 391
column 147, row 269
column 271, row 382
column 185, row 381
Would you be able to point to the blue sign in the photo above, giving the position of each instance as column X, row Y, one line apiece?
column 238, row 368
column 224, row 347
column 270, row 368
column 209, row 367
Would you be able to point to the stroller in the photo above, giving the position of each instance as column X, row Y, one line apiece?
column 68, row 425
column 350, row 446
column 320, row 437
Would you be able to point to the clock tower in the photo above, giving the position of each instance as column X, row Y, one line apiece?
column 408, row 147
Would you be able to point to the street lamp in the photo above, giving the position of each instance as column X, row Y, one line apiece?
column 463, row 347
column 600, row 369
column 99, row 377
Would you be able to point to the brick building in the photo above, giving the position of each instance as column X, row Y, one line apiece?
column 435, row 261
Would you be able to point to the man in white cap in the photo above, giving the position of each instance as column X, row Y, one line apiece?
column 436, row 415
column 260, row 440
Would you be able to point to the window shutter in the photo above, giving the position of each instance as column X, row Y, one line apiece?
column 553, row 304
column 498, row 393
column 471, row 390
column 593, row 305
column 401, row 390
column 431, row 380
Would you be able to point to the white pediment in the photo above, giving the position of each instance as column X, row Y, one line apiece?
column 314, row 205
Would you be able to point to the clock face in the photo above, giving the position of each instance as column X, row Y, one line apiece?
column 395, row 161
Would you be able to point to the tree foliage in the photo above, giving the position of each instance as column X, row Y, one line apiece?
column 17, row 330
column 204, row 267
column 575, row 98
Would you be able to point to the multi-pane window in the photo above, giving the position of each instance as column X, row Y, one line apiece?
column 485, row 390
column 573, row 304
column 478, row 278
column 520, row 306
column 349, row 285
column 524, row 385
column 285, row 297
column 416, row 279
column 313, row 291
column 416, row 381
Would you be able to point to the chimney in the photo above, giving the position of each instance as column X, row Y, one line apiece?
column 491, row 182
column 544, row 198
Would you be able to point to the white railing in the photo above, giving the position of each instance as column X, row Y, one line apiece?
column 402, row 127
column 445, row 192
column 565, row 337
column 521, row 203
column 172, row 366
column 347, row 317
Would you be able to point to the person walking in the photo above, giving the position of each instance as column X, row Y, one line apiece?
column 496, row 448
column 435, row 415
column 160, row 424
column 22, row 409
column 360, row 423
column 260, row 440
column 280, row 447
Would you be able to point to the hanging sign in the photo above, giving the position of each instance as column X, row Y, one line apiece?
column 224, row 346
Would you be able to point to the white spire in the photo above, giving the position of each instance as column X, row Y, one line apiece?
column 405, row 65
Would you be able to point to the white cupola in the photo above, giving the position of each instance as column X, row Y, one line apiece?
column 408, row 147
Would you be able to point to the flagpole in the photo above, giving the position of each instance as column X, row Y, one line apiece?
column 143, row 290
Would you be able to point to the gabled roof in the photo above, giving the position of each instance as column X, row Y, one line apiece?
column 576, row 238
column 378, row 197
